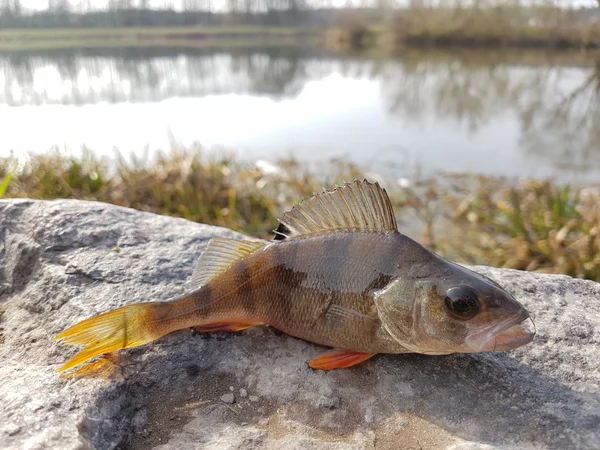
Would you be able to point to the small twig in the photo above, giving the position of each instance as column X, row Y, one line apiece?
column 227, row 406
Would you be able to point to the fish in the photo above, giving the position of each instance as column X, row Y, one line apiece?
column 337, row 273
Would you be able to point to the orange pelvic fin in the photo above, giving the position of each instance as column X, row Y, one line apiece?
column 338, row 359
column 225, row 326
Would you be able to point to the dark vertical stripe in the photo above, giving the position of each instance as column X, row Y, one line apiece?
column 282, row 257
column 203, row 298
column 288, row 294
column 286, row 255
column 335, row 264
column 247, row 285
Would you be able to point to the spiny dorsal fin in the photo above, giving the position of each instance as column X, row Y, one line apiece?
column 220, row 255
column 358, row 206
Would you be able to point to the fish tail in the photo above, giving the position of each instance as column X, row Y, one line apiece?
column 129, row 326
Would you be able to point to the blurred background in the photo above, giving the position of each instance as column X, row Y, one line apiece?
column 480, row 117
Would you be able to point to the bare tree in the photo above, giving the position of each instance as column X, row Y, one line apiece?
column 59, row 6
column 5, row 8
column 16, row 8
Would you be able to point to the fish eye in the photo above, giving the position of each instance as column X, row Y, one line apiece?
column 461, row 302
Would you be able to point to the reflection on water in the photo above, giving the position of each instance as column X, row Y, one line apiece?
column 154, row 74
column 556, row 103
column 522, row 114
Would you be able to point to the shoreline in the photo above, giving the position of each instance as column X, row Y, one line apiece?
column 193, row 37
column 358, row 39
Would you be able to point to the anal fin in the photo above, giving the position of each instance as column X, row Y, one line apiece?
column 225, row 326
column 338, row 359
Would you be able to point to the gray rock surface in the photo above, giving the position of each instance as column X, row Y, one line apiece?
column 63, row 261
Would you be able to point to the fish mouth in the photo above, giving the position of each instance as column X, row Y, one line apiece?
column 508, row 335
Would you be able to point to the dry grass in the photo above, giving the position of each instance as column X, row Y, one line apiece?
column 184, row 183
column 535, row 226
column 530, row 225
column 497, row 24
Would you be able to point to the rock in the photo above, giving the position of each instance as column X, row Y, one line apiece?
column 63, row 261
column 325, row 402
column 369, row 415
column 228, row 398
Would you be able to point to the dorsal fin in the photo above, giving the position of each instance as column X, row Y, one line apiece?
column 358, row 206
column 220, row 255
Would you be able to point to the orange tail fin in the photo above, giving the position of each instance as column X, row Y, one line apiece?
column 125, row 327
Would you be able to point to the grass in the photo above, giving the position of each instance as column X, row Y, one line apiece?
column 532, row 225
column 483, row 23
column 488, row 23
column 188, row 36
column 146, row 32
column 4, row 183
column 497, row 24
column 212, row 43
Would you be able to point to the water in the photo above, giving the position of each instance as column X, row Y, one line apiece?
column 425, row 112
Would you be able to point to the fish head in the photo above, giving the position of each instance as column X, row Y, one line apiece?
column 458, row 311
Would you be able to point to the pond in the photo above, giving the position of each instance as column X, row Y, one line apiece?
column 420, row 112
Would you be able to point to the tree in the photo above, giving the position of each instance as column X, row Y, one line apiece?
column 5, row 8
column 11, row 8
column 16, row 8
column 59, row 6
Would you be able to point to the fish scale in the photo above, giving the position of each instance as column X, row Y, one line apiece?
column 295, row 293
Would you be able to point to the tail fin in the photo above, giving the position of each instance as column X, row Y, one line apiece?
column 125, row 327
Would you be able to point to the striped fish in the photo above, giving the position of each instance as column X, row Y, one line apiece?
column 338, row 273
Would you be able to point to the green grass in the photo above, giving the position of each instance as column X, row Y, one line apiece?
column 4, row 183
column 533, row 225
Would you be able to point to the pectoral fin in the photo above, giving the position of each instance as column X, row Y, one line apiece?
column 338, row 359
column 225, row 326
